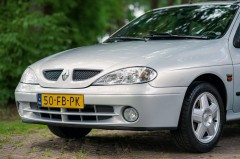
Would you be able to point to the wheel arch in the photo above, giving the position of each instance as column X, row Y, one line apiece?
column 216, row 81
column 184, row 134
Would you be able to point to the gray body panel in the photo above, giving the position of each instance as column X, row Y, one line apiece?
column 161, row 55
column 157, row 107
column 177, row 62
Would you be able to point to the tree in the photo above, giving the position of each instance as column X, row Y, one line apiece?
column 154, row 4
column 170, row 2
column 31, row 30
column 185, row 1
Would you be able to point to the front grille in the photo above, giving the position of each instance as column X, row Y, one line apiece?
column 90, row 113
column 80, row 75
column 52, row 75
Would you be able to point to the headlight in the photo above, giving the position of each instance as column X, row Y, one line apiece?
column 29, row 77
column 131, row 75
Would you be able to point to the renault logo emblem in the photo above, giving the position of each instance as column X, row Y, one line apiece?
column 65, row 75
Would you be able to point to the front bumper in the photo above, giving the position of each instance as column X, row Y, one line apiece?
column 158, row 108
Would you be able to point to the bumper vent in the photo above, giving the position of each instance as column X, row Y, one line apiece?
column 91, row 113
column 80, row 75
column 52, row 75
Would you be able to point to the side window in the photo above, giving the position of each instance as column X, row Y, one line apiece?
column 236, row 40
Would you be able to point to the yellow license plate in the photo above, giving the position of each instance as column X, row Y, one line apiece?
column 61, row 101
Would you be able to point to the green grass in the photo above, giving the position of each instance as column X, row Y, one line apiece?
column 10, row 123
column 17, row 127
column 10, row 129
column 4, row 140
column 9, row 113
column 80, row 155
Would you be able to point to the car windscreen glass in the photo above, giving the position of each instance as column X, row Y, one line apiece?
column 206, row 21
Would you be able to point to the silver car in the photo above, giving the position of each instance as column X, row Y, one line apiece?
column 174, row 68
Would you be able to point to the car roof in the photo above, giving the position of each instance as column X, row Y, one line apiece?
column 203, row 3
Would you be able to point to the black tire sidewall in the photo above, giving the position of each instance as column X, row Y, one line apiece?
column 195, row 92
column 69, row 132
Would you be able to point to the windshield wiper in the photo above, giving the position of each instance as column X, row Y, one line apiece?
column 123, row 38
column 157, row 36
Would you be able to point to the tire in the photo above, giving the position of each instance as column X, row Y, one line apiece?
column 69, row 132
column 202, row 118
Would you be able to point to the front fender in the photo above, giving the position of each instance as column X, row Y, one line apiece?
column 184, row 77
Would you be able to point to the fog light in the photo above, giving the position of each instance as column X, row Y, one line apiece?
column 130, row 114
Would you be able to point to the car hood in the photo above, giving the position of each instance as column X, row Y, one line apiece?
column 111, row 56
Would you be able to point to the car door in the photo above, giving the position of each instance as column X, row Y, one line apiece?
column 235, row 54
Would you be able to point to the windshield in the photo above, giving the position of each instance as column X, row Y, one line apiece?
column 207, row 21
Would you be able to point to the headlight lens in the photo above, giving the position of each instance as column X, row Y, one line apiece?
column 131, row 75
column 29, row 77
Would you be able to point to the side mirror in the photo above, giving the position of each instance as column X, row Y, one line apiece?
column 236, row 40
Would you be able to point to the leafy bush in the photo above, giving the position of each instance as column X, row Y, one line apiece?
column 31, row 30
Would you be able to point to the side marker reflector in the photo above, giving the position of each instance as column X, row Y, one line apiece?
column 229, row 78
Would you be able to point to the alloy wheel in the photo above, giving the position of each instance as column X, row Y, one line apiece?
column 205, row 117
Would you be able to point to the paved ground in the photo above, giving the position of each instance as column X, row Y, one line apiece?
column 103, row 144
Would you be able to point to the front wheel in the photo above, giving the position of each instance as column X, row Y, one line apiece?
column 69, row 132
column 201, row 120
